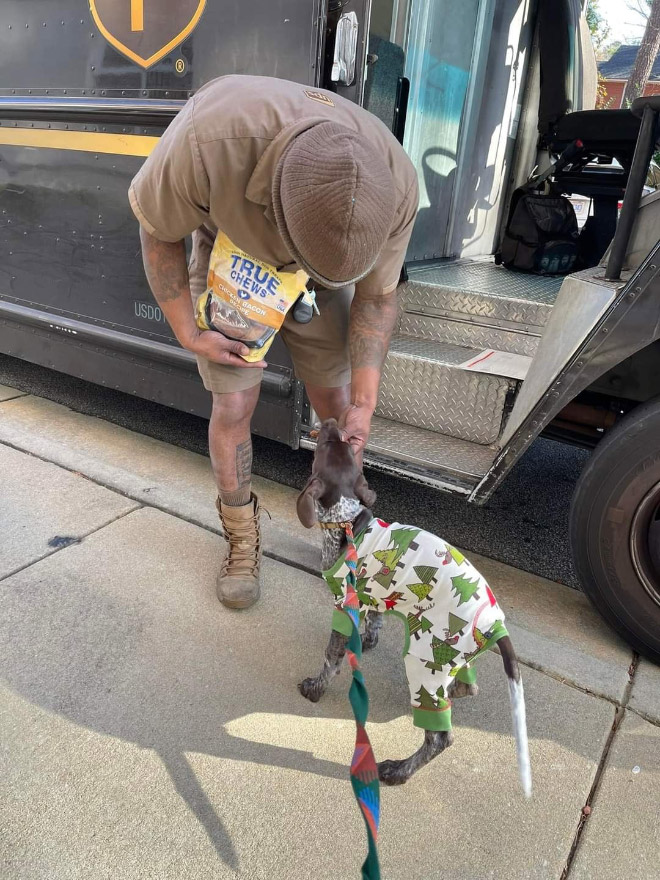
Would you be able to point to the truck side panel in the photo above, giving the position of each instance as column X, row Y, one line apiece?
column 85, row 98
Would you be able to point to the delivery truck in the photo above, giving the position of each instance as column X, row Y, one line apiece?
column 493, row 100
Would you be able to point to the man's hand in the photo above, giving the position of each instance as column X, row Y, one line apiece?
column 218, row 348
column 355, row 425
column 167, row 273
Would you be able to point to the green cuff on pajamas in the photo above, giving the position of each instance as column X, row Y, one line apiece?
column 432, row 719
column 467, row 674
column 498, row 631
column 342, row 623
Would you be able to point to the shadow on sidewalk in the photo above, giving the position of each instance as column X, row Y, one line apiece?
column 123, row 634
column 124, row 638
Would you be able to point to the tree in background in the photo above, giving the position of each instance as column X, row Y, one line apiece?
column 600, row 32
column 641, row 9
column 604, row 47
column 648, row 51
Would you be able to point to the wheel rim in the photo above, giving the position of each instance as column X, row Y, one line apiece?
column 645, row 542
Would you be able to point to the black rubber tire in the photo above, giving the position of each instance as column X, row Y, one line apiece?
column 623, row 471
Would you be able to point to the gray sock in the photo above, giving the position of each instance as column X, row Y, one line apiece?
column 237, row 497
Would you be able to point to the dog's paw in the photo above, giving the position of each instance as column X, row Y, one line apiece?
column 369, row 640
column 458, row 689
column 393, row 772
column 311, row 689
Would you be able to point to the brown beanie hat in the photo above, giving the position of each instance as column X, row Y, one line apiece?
column 333, row 198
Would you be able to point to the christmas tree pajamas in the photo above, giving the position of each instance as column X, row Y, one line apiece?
column 450, row 614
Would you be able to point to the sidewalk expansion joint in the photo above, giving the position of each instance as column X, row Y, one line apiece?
column 70, row 542
column 583, row 690
column 651, row 719
column 269, row 554
column 586, row 811
column 276, row 557
column 142, row 502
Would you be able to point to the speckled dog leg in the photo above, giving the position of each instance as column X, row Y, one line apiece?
column 459, row 689
column 314, row 688
column 398, row 772
column 372, row 625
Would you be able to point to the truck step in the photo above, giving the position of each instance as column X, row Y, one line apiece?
column 469, row 332
column 426, row 456
column 477, row 304
column 433, row 459
column 423, row 384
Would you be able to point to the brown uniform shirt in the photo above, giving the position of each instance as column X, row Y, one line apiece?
column 213, row 168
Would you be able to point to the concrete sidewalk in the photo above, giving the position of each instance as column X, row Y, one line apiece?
column 150, row 733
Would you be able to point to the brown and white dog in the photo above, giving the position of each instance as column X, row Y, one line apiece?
column 337, row 492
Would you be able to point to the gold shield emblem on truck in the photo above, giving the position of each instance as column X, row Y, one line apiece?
column 146, row 30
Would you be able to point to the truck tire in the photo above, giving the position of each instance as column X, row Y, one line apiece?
column 615, row 529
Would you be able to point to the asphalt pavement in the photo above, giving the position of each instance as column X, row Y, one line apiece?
column 524, row 525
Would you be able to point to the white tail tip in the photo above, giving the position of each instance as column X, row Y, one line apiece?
column 517, row 698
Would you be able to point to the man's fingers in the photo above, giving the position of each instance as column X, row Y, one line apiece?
column 229, row 351
column 237, row 347
column 223, row 356
column 357, row 440
column 231, row 345
column 235, row 361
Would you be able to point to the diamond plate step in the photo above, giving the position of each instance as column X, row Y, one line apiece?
column 477, row 304
column 468, row 333
column 428, row 450
column 425, row 456
column 424, row 385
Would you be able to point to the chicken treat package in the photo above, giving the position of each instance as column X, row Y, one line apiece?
column 247, row 299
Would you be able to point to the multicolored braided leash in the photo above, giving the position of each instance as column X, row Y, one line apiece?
column 364, row 772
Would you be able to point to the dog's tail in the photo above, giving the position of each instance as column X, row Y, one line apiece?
column 517, row 698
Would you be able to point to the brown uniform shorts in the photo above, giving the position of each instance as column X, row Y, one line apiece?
column 319, row 349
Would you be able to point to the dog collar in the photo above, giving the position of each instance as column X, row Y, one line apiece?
column 346, row 526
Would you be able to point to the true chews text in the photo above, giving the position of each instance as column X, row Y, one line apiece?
column 253, row 278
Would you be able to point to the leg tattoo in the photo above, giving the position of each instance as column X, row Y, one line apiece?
column 244, row 463
column 398, row 772
column 314, row 688
column 372, row 624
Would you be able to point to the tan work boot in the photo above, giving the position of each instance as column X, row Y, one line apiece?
column 238, row 581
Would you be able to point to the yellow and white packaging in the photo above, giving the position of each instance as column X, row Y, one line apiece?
column 246, row 298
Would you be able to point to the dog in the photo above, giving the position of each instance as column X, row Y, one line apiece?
column 450, row 613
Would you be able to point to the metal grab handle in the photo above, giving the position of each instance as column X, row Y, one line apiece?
column 634, row 190
column 346, row 38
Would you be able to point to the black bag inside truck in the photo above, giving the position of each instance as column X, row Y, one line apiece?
column 541, row 236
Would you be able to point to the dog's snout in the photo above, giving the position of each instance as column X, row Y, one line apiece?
column 329, row 431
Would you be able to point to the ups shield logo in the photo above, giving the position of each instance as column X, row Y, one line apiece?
column 146, row 30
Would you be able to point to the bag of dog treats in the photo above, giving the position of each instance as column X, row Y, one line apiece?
column 246, row 298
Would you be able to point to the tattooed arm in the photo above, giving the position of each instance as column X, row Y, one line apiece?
column 373, row 316
column 167, row 274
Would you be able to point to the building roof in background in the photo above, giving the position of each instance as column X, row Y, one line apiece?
column 620, row 65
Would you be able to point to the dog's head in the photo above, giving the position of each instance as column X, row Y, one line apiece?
column 336, row 477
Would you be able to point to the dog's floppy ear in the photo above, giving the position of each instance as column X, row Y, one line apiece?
column 366, row 495
column 306, row 504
